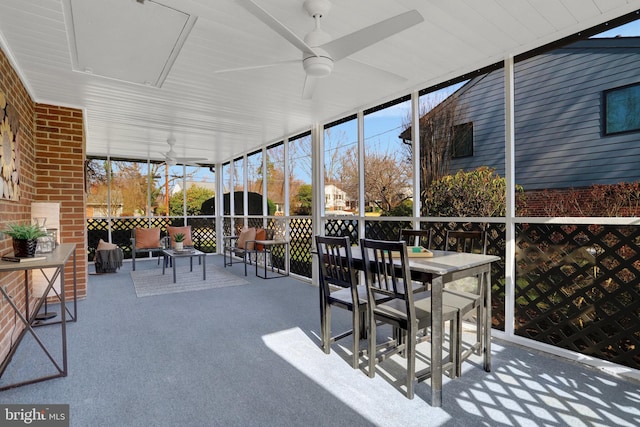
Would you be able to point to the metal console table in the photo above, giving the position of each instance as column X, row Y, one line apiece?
column 55, row 260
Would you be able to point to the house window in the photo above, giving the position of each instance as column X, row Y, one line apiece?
column 622, row 109
column 462, row 140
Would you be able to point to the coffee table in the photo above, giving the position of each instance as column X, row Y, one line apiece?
column 172, row 256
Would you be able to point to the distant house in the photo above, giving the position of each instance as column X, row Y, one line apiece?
column 177, row 187
column 335, row 199
column 577, row 117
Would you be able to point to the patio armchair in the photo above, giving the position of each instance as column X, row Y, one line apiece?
column 146, row 240
column 239, row 246
column 244, row 245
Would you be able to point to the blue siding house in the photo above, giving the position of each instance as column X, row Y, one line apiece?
column 577, row 116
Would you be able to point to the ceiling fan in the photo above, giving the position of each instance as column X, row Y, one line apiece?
column 171, row 157
column 319, row 52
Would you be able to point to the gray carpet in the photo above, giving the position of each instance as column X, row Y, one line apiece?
column 152, row 282
column 250, row 356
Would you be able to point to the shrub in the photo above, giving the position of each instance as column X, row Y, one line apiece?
column 480, row 193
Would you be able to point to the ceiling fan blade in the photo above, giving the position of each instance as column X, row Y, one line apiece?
column 358, row 40
column 310, row 84
column 276, row 25
column 361, row 68
column 187, row 161
column 191, row 159
column 257, row 67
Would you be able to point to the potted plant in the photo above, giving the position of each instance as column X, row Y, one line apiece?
column 25, row 238
column 178, row 238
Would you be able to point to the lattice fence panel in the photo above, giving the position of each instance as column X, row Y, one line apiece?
column 202, row 229
column 578, row 287
column 97, row 228
column 385, row 230
column 226, row 226
column 255, row 222
column 300, row 234
column 342, row 228
column 496, row 244
column 203, row 233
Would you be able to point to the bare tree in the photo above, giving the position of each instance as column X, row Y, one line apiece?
column 437, row 134
column 388, row 179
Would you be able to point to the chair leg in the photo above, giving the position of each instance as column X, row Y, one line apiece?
column 244, row 259
column 410, row 350
column 325, row 326
column 455, row 341
column 372, row 346
column 355, row 318
column 479, row 328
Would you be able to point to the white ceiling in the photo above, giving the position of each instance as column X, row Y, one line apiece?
column 219, row 116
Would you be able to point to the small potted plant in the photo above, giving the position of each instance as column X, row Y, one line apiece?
column 25, row 238
column 178, row 239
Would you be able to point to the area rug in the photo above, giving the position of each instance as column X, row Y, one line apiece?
column 152, row 282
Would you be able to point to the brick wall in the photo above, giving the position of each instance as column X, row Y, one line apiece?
column 51, row 152
column 60, row 156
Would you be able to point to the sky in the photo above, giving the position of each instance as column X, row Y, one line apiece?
column 383, row 127
column 628, row 30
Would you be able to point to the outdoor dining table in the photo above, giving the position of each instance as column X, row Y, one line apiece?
column 445, row 267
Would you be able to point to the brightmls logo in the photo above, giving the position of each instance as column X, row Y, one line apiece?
column 34, row 415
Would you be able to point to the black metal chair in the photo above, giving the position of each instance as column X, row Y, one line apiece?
column 339, row 288
column 391, row 303
column 464, row 300
column 146, row 240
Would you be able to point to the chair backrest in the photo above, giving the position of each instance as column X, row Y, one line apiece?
column 336, row 263
column 466, row 241
column 146, row 238
column 416, row 237
column 387, row 273
column 186, row 230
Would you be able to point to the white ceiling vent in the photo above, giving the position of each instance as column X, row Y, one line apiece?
column 135, row 41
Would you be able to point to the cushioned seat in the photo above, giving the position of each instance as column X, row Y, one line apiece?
column 144, row 240
column 240, row 246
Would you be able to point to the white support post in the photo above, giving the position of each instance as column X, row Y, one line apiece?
column 317, row 186
column 415, row 141
column 509, row 95
column 219, row 208
column 361, row 205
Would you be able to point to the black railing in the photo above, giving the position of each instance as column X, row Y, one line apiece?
column 203, row 232
column 576, row 286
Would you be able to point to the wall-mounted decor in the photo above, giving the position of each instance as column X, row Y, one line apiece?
column 9, row 152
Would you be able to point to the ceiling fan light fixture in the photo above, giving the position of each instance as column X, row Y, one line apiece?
column 317, row 66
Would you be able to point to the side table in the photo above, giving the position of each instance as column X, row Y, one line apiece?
column 267, row 248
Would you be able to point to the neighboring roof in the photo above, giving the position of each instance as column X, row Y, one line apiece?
column 592, row 43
